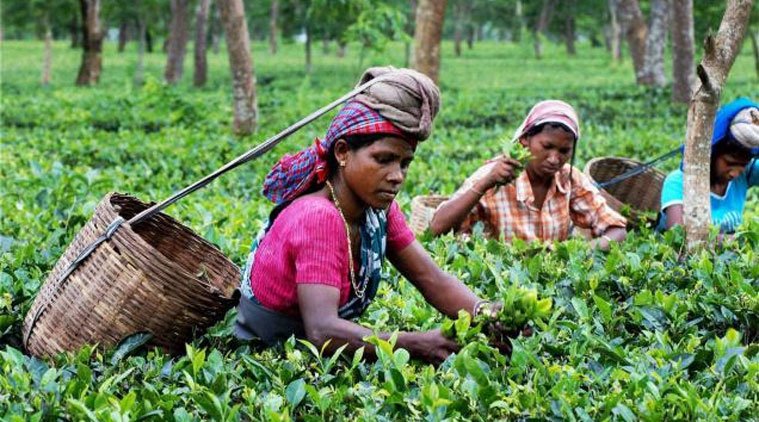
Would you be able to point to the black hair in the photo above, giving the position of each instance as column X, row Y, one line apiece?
column 554, row 125
column 730, row 145
column 354, row 142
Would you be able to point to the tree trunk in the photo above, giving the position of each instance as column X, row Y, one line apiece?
column 92, row 61
column 308, row 49
column 273, row 17
column 462, row 17
column 216, row 29
column 47, row 60
column 75, row 30
column 148, row 39
column 410, row 21
column 427, row 36
column 325, row 45
column 653, row 63
column 201, row 65
column 569, row 27
column 519, row 18
column 615, row 30
column 755, row 45
column 458, row 24
column 139, row 69
column 123, row 36
column 683, row 69
column 720, row 51
column 544, row 20
column 176, row 46
column 470, row 36
column 240, row 64
column 341, row 46
column 636, row 32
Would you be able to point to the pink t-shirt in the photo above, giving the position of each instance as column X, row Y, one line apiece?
column 307, row 244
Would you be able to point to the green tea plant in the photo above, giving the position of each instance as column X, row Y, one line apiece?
column 518, row 152
column 640, row 332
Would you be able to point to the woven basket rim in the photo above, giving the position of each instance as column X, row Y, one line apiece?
column 650, row 174
column 162, row 259
column 593, row 162
column 143, row 260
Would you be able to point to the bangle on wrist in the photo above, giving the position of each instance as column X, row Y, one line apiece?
column 479, row 305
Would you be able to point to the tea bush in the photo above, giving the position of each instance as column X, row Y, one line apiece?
column 639, row 332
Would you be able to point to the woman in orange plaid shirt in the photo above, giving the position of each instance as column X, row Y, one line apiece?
column 546, row 200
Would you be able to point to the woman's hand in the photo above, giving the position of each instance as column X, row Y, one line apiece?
column 431, row 346
column 499, row 335
column 502, row 171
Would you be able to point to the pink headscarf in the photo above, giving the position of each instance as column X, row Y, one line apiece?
column 550, row 111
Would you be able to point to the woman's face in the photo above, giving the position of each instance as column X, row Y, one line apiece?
column 551, row 149
column 727, row 167
column 376, row 172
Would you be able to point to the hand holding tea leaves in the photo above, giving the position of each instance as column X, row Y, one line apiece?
column 516, row 151
column 506, row 167
column 509, row 317
column 501, row 320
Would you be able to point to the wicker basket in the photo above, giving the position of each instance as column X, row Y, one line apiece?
column 422, row 210
column 641, row 192
column 158, row 277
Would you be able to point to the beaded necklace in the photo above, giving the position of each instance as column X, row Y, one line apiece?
column 357, row 288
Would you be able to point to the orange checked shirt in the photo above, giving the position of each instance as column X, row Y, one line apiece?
column 509, row 210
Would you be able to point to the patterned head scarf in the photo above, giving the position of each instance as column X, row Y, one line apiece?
column 404, row 103
column 294, row 174
column 550, row 111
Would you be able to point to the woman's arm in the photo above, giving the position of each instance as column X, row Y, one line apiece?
column 443, row 291
column 318, row 307
column 674, row 215
column 440, row 289
column 452, row 213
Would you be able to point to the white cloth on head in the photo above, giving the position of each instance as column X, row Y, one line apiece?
column 745, row 127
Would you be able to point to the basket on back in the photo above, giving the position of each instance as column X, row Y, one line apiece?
column 422, row 210
column 158, row 277
column 641, row 192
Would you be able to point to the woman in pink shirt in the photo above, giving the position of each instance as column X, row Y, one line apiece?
column 317, row 265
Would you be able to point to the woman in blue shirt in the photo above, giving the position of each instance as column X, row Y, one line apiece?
column 734, row 169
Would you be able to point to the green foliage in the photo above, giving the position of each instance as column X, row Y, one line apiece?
column 520, row 306
column 636, row 333
column 517, row 151
column 462, row 329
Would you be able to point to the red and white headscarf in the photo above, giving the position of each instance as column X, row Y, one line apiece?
column 550, row 111
column 294, row 174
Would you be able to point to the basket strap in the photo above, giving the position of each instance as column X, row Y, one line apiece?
column 637, row 169
column 109, row 231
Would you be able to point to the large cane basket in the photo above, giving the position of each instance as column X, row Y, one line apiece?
column 640, row 192
column 157, row 276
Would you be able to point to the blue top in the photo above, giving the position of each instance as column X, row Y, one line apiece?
column 727, row 210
